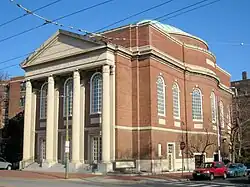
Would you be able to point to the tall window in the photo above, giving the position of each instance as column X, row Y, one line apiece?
column 196, row 104
column 161, row 96
column 228, row 117
column 96, row 93
column 43, row 101
column 176, row 101
column 222, row 115
column 68, row 96
column 213, row 107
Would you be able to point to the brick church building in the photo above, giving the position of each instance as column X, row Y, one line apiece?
column 132, row 95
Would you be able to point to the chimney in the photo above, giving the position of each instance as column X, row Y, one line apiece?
column 244, row 75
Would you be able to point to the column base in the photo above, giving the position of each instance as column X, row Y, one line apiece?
column 48, row 163
column 105, row 167
column 25, row 163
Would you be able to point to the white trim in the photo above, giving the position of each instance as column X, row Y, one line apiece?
column 41, row 97
column 179, row 104
column 91, row 79
column 164, row 95
column 212, row 96
column 161, row 129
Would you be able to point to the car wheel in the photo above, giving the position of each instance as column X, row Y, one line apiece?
column 211, row 177
column 224, row 176
column 8, row 167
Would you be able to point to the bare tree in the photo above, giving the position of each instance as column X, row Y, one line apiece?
column 241, row 127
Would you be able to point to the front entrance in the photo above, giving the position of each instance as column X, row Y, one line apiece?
column 170, row 157
column 96, row 149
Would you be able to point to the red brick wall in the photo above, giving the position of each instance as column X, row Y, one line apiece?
column 14, row 97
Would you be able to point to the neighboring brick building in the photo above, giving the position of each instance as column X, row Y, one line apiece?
column 241, row 113
column 16, row 96
column 133, row 96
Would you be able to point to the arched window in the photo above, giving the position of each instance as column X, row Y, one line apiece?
column 161, row 96
column 213, row 107
column 43, row 101
column 96, row 93
column 176, row 101
column 68, row 96
column 222, row 115
column 229, row 117
column 197, row 105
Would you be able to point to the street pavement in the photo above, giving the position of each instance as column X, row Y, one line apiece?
column 105, row 182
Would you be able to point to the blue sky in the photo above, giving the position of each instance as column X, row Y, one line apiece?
column 224, row 25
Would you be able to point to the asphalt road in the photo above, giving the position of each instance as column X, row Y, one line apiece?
column 17, row 182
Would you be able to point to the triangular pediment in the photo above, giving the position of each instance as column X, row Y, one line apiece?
column 62, row 44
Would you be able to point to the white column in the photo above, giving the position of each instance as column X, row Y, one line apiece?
column 106, row 114
column 112, row 112
column 33, row 124
column 56, row 115
column 27, row 122
column 50, row 121
column 76, row 118
column 82, row 121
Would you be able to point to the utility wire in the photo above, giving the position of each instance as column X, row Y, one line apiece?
column 226, row 43
column 41, row 25
column 19, row 17
column 201, row 6
column 133, row 15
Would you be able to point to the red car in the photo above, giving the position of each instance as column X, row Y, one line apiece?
column 210, row 170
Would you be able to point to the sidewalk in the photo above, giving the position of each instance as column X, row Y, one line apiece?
column 41, row 175
column 92, row 177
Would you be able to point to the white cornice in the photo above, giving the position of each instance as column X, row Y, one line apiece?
column 200, row 50
column 222, row 70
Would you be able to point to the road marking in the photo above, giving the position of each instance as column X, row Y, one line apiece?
column 196, row 185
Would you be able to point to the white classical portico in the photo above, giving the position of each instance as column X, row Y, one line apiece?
column 50, row 72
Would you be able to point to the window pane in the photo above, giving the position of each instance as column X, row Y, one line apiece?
column 96, row 103
column 43, row 101
column 196, row 105
column 160, row 96
column 176, row 101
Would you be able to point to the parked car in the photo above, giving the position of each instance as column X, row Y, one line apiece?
column 236, row 170
column 248, row 168
column 243, row 169
column 4, row 164
column 210, row 170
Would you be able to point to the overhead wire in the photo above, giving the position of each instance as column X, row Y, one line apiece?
column 133, row 15
column 19, row 17
column 156, row 18
column 59, row 18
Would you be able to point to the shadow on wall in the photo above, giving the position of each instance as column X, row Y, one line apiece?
column 13, row 140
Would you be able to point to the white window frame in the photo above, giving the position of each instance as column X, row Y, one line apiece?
column 91, row 93
column 197, row 120
column 213, row 107
column 178, row 100
column 65, row 99
column 164, row 96
column 41, row 101
column 222, row 121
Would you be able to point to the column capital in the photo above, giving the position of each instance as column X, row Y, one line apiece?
column 50, row 79
column 112, row 70
column 105, row 69
column 76, row 73
column 28, row 84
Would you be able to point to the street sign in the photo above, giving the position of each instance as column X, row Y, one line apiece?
column 182, row 145
column 66, row 146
